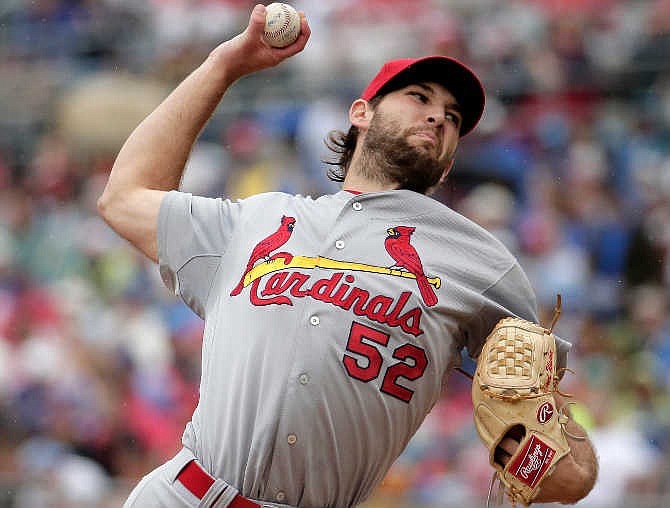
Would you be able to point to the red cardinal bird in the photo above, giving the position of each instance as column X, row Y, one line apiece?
column 265, row 247
column 405, row 256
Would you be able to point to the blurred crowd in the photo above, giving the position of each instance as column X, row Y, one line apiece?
column 570, row 168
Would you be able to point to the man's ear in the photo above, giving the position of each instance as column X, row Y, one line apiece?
column 360, row 113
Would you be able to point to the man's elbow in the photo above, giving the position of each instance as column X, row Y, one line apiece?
column 116, row 205
column 108, row 208
column 133, row 215
column 103, row 205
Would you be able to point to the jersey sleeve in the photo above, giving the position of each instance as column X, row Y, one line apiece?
column 511, row 295
column 193, row 233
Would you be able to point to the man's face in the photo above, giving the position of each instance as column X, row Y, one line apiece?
column 413, row 135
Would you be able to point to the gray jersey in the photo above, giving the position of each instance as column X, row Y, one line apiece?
column 331, row 325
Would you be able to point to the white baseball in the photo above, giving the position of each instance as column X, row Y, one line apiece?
column 282, row 25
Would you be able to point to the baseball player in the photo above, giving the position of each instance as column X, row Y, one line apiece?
column 331, row 324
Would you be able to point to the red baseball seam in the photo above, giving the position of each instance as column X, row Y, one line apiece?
column 284, row 26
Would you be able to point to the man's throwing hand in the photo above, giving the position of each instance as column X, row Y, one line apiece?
column 248, row 52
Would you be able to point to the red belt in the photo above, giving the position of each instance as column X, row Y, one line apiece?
column 198, row 481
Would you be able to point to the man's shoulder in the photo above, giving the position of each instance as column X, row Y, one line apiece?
column 449, row 221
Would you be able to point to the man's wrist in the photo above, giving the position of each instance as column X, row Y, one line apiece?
column 218, row 67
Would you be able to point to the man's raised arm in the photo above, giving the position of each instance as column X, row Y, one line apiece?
column 153, row 157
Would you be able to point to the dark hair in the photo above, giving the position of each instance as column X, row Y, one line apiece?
column 343, row 144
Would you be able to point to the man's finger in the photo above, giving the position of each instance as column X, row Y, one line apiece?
column 257, row 20
column 509, row 445
column 505, row 449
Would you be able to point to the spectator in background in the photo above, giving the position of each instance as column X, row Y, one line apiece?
column 570, row 84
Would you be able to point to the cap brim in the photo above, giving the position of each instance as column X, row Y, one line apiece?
column 454, row 76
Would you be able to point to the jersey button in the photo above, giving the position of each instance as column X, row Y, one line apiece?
column 291, row 439
column 303, row 378
column 339, row 244
column 281, row 497
column 357, row 206
column 314, row 320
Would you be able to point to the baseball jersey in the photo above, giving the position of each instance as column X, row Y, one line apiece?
column 331, row 325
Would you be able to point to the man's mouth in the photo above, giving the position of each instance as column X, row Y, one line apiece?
column 429, row 135
column 428, row 140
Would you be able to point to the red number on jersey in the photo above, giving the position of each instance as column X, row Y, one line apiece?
column 368, row 370
column 355, row 344
column 398, row 370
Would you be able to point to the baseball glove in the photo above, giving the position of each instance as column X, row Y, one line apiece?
column 513, row 395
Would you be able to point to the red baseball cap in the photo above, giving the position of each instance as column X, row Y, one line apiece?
column 449, row 72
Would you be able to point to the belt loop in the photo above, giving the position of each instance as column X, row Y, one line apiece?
column 178, row 462
column 220, row 495
column 212, row 492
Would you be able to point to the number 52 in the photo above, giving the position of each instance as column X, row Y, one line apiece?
column 366, row 342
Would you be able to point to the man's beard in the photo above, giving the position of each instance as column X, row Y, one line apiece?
column 388, row 157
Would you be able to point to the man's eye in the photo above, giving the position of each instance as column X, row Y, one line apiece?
column 419, row 96
column 453, row 118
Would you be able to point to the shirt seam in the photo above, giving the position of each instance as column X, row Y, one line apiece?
column 481, row 306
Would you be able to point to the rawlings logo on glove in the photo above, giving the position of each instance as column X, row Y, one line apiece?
column 513, row 395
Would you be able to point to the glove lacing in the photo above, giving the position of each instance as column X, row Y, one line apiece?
column 512, row 494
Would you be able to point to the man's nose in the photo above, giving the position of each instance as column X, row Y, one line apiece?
column 434, row 118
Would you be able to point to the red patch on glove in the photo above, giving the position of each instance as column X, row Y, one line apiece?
column 532, row 462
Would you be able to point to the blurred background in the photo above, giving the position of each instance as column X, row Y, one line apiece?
column 570, row 168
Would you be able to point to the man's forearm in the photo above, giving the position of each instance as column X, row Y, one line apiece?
column 575, row 474
column 153, row 157
column 156, row 152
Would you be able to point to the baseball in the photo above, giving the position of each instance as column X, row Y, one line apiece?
column 282, row 25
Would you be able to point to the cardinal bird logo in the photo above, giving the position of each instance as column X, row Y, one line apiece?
column 406, row 258
column 265, row 247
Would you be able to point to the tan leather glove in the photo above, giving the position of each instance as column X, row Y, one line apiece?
column 513, row 394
